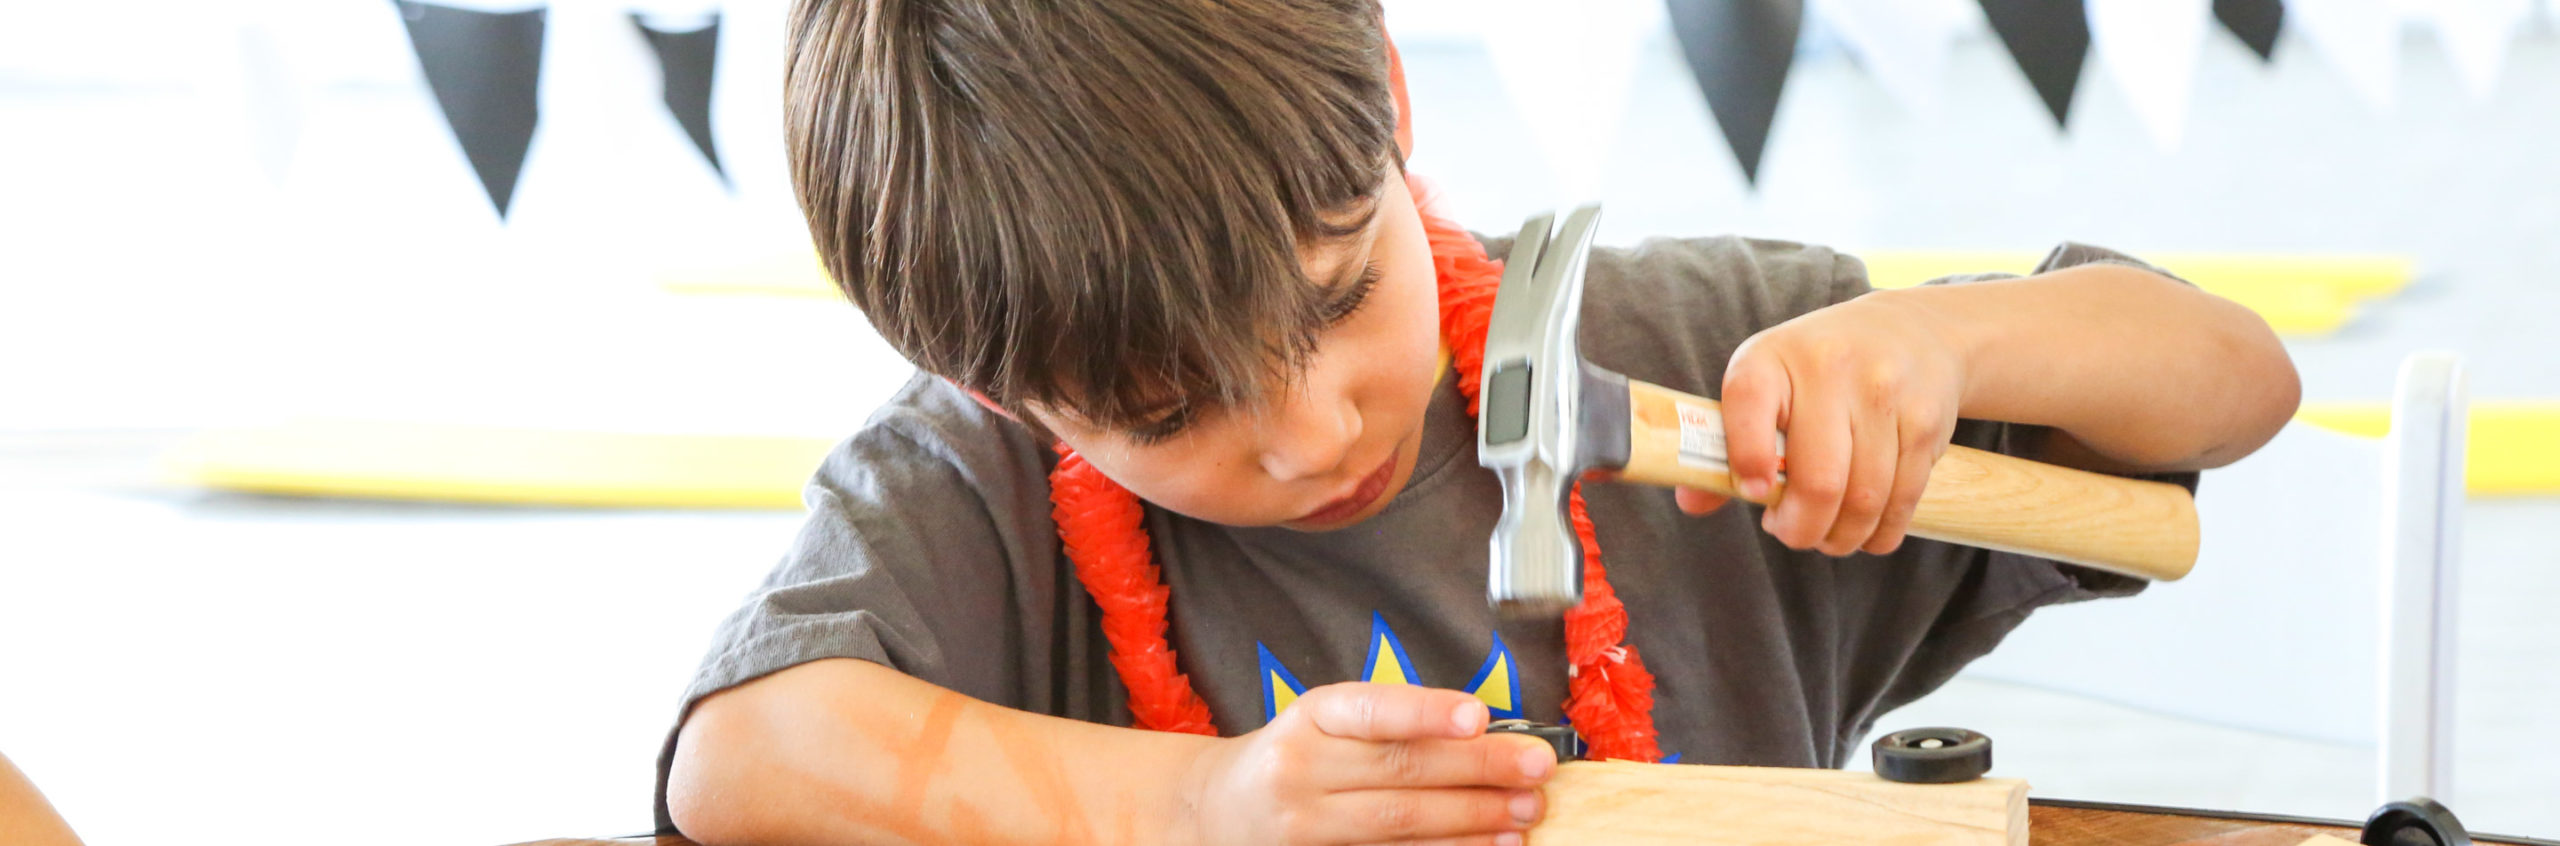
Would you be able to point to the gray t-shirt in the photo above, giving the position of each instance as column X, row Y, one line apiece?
column 929, row 548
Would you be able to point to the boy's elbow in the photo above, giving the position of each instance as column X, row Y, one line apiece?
column 2268, row 387
column 708, row 777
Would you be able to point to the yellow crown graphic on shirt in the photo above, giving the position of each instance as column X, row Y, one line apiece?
column 1496, row 682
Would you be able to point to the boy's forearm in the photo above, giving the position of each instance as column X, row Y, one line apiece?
column 26, row 819
column 846, row 751
column 2144, row 372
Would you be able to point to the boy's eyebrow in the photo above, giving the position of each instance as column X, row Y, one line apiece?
column 1355, row 258
column 1344, row 278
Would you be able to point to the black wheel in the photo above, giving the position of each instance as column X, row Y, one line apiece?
column 1933, row 755
column 1567, row 742
column 2414, row 822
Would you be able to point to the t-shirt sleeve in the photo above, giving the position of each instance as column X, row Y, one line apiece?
column 1997, row 590
column 923, row 550
column 2018, row 439
column 896, row 544
column 1671, row 311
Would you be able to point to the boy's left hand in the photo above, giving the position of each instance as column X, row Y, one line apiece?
column 1867, row 392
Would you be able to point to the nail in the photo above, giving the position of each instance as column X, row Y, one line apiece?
column 1754, row 489
column 1508, row 838
column 1524, row 808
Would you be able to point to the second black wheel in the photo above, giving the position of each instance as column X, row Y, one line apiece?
column 1933, row 755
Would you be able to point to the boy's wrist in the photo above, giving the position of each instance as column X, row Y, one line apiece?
column 1961, row 340
column 1192, row 776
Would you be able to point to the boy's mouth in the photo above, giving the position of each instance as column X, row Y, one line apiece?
column 1370, row 488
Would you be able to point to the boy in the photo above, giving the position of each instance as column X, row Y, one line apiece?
column 1174, row 237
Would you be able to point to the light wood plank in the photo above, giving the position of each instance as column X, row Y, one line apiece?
column 1616, row 803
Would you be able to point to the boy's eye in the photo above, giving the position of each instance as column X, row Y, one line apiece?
column 1181, row 417
column 1163, row 428
column 1349, row 303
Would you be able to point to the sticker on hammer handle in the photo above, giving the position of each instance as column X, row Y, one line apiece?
column 1702, row 439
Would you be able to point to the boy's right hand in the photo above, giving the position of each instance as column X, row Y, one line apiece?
column 1371, row 763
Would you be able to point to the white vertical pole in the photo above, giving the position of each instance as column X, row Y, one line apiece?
column 2421, row 532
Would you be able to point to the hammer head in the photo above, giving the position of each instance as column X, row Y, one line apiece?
column 1546, row 415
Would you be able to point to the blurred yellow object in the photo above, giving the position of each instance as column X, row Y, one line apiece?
column 2299, row 295
column 797, row 275
column 456, row 463
column 2514, row 449
column 2514, row 445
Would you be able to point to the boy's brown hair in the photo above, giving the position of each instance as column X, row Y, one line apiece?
column 1096, row 205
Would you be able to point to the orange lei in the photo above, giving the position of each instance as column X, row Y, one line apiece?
column 1610, row 698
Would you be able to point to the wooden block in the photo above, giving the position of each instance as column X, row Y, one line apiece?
column 1616, row 803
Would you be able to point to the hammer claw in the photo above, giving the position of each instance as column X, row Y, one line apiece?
column 1532, row 412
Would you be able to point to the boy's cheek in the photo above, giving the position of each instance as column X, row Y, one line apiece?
column 1198, row 486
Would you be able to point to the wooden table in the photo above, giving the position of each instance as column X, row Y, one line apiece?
column 2053, row 822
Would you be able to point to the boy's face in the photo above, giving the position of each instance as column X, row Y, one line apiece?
column 1343, row 441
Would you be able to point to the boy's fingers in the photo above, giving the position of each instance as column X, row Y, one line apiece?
column 1362, row 711
column 1756, row 405
column 1404, row 816
column 1508, row 838
column 1492, row 760
column 1818, row 459
column 1921, row 447
column 1695, row 501
column 1874, row 447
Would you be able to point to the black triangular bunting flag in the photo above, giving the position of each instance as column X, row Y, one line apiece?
column 687, row 59
column 1740, row 51
column 2050, row 40
column 484, row 69
column 2255, row 21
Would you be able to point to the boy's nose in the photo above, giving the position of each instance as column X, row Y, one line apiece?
column 1310, row 436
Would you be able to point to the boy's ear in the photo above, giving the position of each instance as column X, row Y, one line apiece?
column 1038, row 432
column 1404, row 104
column 983, row 400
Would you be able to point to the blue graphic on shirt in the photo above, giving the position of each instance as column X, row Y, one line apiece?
column 1280, row 688
column 1496, row 682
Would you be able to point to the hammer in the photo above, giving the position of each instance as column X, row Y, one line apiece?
column 1548, row 417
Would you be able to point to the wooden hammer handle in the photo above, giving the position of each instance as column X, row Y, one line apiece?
column 2129, row 526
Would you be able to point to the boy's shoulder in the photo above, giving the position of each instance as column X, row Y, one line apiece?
column 1672, row 310
column 1717, row 259
column 1730, row 274
column 932, row 431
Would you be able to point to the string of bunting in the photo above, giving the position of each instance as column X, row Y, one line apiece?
column 484, row 64
column 482, row 59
